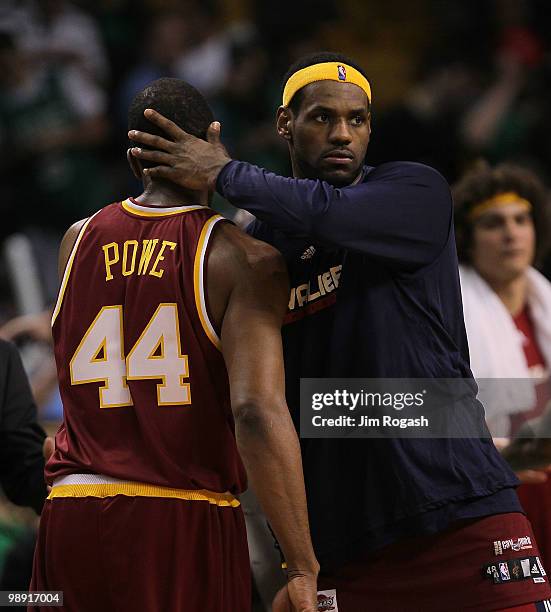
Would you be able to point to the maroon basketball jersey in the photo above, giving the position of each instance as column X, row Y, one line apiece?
column 143, row 382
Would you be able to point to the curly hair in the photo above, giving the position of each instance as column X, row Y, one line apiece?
column 484, row 181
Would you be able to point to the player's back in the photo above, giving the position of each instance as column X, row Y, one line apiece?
column 143, row 382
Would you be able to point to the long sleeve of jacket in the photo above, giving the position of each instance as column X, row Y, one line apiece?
column 401, row 213
column 21, row 437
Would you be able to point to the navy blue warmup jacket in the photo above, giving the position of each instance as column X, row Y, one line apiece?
column 375, row 293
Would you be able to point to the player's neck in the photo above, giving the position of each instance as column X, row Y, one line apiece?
column 165, row 194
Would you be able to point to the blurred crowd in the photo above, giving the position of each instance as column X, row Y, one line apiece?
column 454, row 81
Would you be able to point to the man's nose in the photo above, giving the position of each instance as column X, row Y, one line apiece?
column 511, row 230
column 340, row 133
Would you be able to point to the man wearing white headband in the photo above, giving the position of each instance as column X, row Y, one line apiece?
column 397, row 523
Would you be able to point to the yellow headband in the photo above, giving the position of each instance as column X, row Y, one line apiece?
column 501, row 199
column 327, row 71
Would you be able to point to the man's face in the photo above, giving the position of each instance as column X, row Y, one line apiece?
column 503, row 243
column 328, row 137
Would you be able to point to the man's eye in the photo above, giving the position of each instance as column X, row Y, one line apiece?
column 523, row 219
column 322, row 117
column 358, row 120
column 490, row 223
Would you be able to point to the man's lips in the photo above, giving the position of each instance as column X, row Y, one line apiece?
column 515, row 252
column 339, row 157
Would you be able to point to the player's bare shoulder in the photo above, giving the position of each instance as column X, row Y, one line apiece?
column 238, row 260
column 67, row 244
column 253, row 255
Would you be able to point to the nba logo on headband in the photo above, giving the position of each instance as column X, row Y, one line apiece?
column 342, row 72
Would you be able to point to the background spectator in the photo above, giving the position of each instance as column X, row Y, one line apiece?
column 507, row 306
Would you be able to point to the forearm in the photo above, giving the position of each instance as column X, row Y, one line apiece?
column 271, row 454
column 270, row 197
column 385, row 217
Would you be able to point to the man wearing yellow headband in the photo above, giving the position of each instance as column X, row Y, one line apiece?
column 501, row 231
column 397, row 523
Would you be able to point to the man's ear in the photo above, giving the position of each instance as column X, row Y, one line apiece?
column 135, row 165
column 284, row 120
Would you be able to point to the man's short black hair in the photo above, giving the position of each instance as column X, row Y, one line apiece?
column 310, row 60
column 176, row 100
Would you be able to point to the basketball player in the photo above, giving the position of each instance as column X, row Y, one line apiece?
column 167, row 332
column 397, row 523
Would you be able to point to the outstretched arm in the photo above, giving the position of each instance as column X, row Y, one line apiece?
column 402, row 215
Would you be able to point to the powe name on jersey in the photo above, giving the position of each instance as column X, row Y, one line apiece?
column 133, row 257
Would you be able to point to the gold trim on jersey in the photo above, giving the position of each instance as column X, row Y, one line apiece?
column 149, row 211
column 68, row 266
column 199, row 280
column 136, row 489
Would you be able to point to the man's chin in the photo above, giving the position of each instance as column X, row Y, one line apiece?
column 339, row 178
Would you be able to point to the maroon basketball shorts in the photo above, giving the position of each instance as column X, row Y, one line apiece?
column 535, row 500
column 121, row 547
column 478, row 565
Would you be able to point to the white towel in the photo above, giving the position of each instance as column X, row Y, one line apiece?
column 496, row 345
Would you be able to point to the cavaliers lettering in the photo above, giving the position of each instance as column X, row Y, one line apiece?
column 132, row 257
column 327, row 282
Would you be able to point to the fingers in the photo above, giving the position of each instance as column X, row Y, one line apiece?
column 302, row 592
column 155, row 156
column 155, row 142
column 281, row 601
column 165, row 172
column 168, row 126
column 213, row 133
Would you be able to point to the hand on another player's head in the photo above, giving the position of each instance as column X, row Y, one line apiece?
column 188, row 161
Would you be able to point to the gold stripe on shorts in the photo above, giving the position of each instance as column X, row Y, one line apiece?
column 136, row 489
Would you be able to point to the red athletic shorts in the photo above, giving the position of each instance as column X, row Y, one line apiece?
column 121, row 553
column 535, row 500
column 477, row 565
